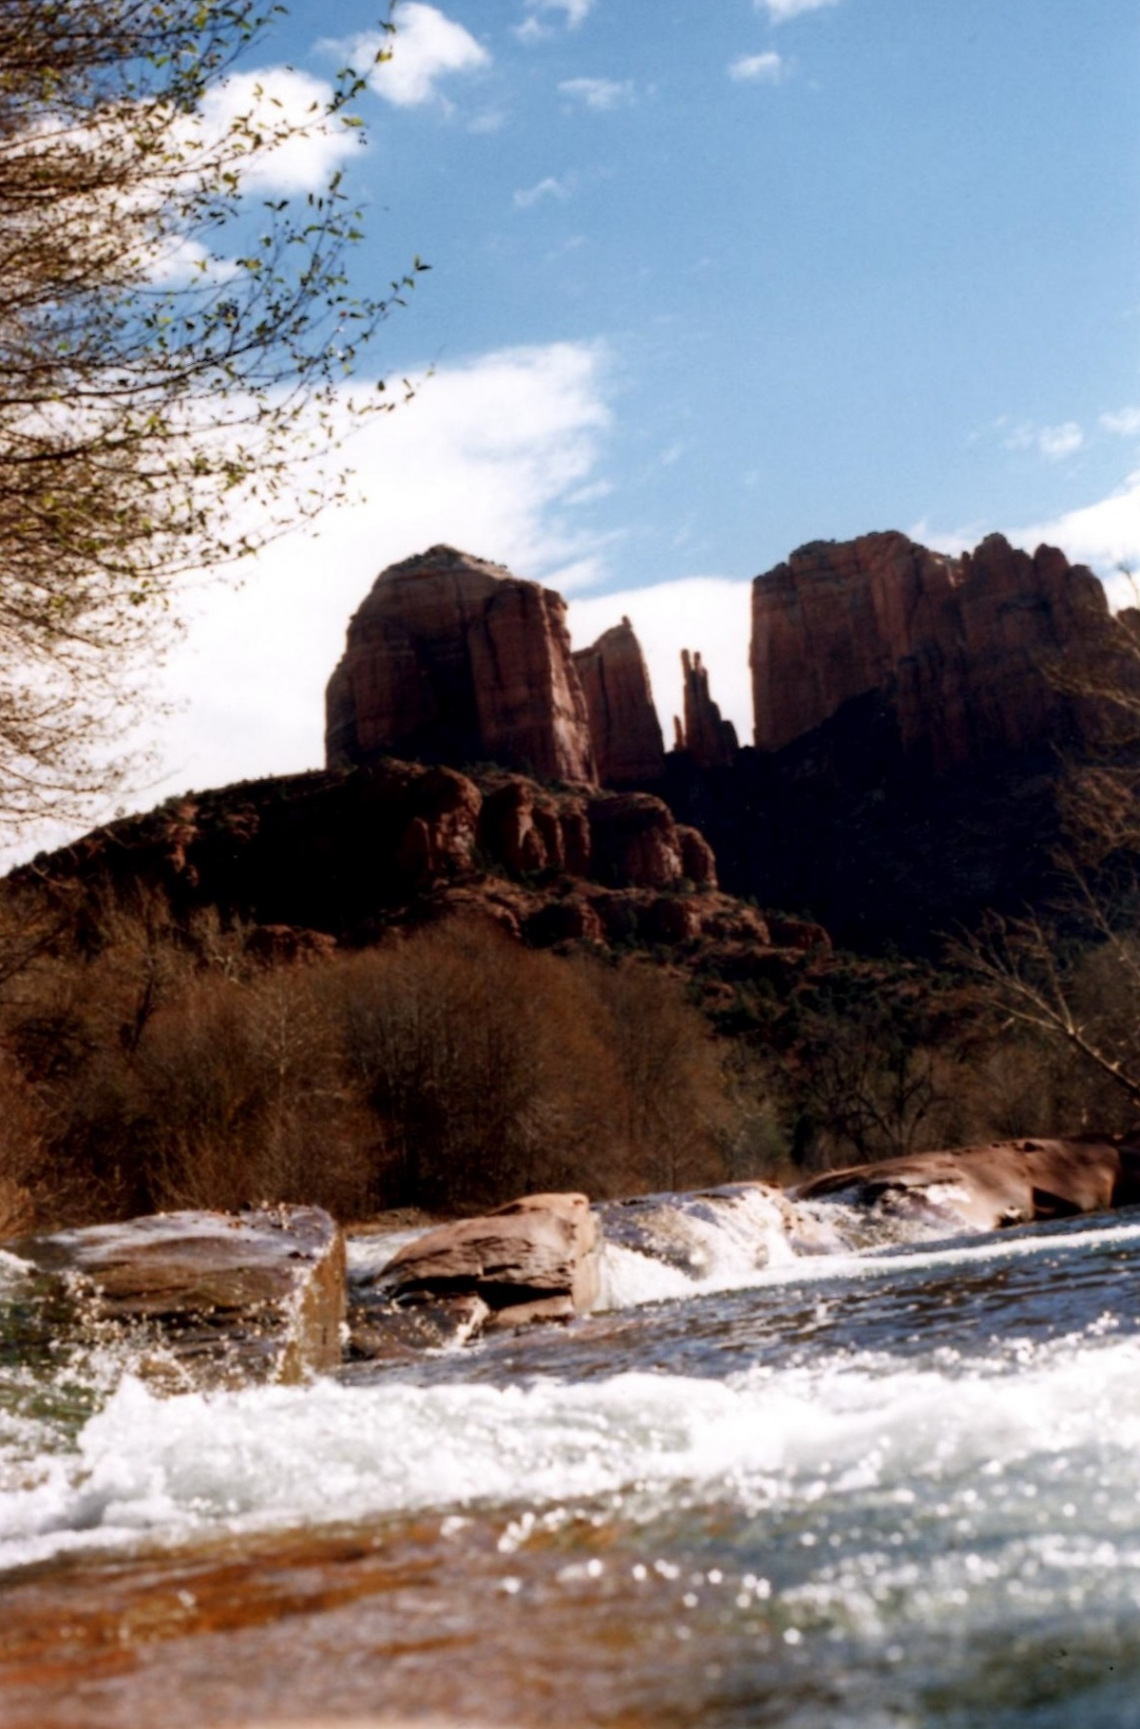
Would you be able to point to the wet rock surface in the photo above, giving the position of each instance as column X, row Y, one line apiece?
column 534, row 1260
column 990, row 1187
column 256, row 1296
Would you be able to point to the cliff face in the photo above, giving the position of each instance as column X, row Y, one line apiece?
column 624, row 727
column 959, row 647
column 451, row 659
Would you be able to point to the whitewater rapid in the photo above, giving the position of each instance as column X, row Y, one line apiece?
column 877, row 1489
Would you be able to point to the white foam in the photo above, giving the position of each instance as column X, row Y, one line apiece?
column 288, row 1456
column 367, row 1256
column 719, row 1241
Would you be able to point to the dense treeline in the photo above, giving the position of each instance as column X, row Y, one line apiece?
column 451, row 1068
column 148, row 1065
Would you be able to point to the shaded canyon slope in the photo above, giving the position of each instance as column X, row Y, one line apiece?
column 915, row 716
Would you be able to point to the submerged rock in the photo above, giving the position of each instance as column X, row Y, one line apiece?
column 255, row 1296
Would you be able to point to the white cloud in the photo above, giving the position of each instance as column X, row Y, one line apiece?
column 426, row 47
column 488, row 457
column 712, row 614
column 491, row 120
column 758, row 68
column 779, row 11
column 1105, row 534
column 1054, row 443
column 278, row 102
column 1125, row 422
column 528, row 196
column 599, row 93
column 532, row 29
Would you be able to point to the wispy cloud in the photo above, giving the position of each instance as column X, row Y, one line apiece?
column 599, row 93
column 573, row 13
column 247, row 680
column 1105, row 534
column 779, row 11
column 758, row 68
column 528, row 196
column 426, row 47
column 1125, row 422
column 1054, row 443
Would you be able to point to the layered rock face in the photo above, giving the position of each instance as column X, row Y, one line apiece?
column 709, row 740
column 451, row 659
column 959, row 647
column 624, row 728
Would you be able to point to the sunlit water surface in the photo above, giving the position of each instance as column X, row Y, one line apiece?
column 890, row 1489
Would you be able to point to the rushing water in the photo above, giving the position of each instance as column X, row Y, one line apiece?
column 895, row 1488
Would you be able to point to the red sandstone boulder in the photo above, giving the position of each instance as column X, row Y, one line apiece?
column 987, row 1188
column 802, row 934
column 624, row 727
column 230, row 1297
column 452, row 659
column 436, row 815
column 285, row 945
column 533, row 1260
column 516, row 831
column 963, row 647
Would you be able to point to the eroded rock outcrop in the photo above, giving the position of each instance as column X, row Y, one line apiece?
column 961, row 648
column 624, row 728
column 255, row 1296
column 452, row 659
column 710, row 741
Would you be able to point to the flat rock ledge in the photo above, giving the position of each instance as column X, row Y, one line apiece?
column 987, row 1188
column 534, row 1260
column 216, row 1298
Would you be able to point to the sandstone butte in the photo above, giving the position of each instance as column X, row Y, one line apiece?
column 454, row 660
column 963, row 647
column 451, row 659
column 624, row 727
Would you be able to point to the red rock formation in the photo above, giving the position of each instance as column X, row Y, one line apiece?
column 528, row 829
column 624, row 727
column 451, row 659
column 961, row 646
column 634, row 842
column 709, row 740
column 697, row 858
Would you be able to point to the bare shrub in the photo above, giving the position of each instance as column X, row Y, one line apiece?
column 241, row 1099
column 480, row 1060
column 673, row 1111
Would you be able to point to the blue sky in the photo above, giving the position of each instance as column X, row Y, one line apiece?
column 708, row 281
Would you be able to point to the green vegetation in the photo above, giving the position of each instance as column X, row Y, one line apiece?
column 176, row 333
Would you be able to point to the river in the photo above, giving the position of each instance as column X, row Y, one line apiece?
column 882, row 1489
